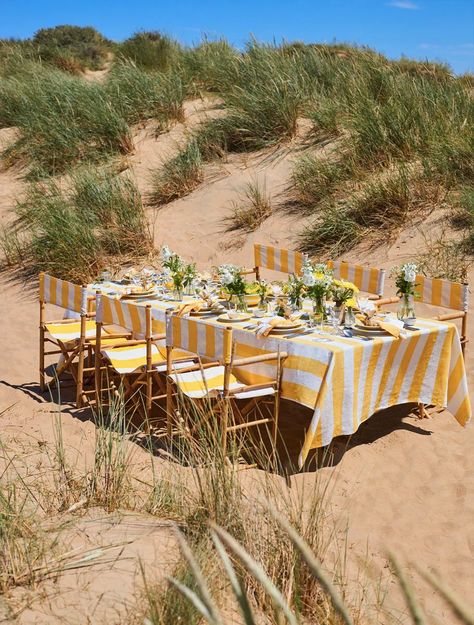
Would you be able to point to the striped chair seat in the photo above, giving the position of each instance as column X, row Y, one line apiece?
column 132, row 358
column 201, row 383
column 66, row 332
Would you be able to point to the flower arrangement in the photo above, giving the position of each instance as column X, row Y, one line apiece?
column 343, row 292
column 295, row 290
column 405, row 276
column 182, row 274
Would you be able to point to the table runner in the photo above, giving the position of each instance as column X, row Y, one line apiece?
column 346, row 380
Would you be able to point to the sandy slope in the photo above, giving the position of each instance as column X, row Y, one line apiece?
column 403, row 484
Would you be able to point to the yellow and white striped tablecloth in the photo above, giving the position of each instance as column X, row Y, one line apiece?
column 346, row 380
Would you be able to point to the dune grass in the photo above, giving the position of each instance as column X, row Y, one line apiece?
column 178, row 176
column 75, row 232
column 252, row 209
column 62, row 120
column 139, row 95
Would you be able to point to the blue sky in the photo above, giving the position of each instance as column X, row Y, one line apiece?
column 434, row 29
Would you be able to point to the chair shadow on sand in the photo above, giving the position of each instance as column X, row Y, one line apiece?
column 294, row 421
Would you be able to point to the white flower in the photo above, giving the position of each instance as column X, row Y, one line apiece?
column 226, row 277
column 166, row 253
column 308, row 278
column 410, row 270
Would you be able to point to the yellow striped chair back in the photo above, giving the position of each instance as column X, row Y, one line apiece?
column 443, row 293
column 128, row 315
column 277, row 259
column 62, row 293
column 205, row 339
column 367, row 279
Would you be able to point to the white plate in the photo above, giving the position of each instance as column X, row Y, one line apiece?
column 226, row 319
column 287, row 330
column 374, row 332
column 207, row 311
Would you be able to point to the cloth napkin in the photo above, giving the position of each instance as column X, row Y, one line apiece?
column 265, row 327
column 393, row 327
column 194, row 306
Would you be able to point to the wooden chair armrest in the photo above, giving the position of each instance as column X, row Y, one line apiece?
column 61, row 321
column 206, row 365
column 240, row 362
column 252, row 387
column 459, row 314
column 386, row 300
column 246, row 272
column 158, row 337
column 129, row 343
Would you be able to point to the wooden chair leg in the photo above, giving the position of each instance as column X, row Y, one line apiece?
column 41, row 358
column 80, row 377
column 422, row 411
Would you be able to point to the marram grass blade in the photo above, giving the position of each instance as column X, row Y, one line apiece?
column 314, row 566
column 464, row 613
column 239, row 592
column 199, row 578
column 197, row 602
column 408, row 592
column 257, row 571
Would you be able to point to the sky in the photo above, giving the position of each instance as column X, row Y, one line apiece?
column 422, row 29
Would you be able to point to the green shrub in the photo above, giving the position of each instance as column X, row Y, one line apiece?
column 82, row 45
column 151, row 50
column 75, row 233
column 210, row 64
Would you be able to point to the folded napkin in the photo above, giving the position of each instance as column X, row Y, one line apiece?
column 265, row 327
column 393, row 327
column 194, row 306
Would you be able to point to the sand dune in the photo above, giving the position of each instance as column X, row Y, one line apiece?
column 402, row 484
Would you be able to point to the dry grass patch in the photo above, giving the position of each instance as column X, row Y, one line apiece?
column 252, row 209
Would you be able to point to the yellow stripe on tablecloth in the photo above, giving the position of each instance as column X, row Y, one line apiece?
column 463, row 413
column 456, row 375
column 422, row 366
column 369, row 380
column 358, row 354
column 338, row 391
column 438, row 397
column 403, row 368
column 387, row 366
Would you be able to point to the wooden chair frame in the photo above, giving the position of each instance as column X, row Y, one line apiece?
column 143, row 378
column 226, row 400
column 426, row 411
column 73, row 351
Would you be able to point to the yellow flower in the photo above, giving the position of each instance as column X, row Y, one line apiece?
column 351, row 303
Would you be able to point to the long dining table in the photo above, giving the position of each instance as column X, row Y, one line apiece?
column 345, row 380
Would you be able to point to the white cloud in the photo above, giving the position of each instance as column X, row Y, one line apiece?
column 404, row 4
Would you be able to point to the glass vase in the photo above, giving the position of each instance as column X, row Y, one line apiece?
column 263, row 303
column 318, row 311
column 190, row 289
column 240, row 302
column 406, row 307
column 349, row 318
column 178, row 292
